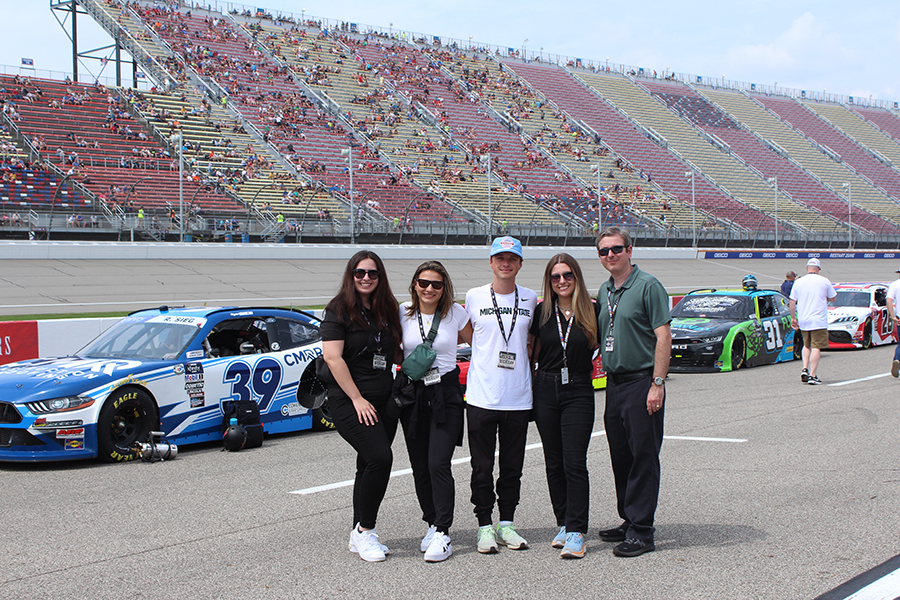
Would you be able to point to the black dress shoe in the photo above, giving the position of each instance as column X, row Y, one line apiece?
column 616, row 534
column 633, row 547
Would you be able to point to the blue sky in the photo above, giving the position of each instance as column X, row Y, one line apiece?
column 848, row 48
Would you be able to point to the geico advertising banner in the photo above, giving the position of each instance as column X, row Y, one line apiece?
column 18, row 341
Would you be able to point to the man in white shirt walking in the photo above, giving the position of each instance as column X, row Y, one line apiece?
column 893, row 303
column 809, row 313
column 498, row 393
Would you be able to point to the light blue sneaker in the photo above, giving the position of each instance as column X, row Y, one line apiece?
column 574, row 547
column 560, row 540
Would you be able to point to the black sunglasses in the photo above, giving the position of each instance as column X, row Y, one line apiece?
column 424, row 283
column 361, row 273
column 568, row 276
column 615, row 250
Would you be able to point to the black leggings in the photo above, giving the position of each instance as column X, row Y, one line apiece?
column 373, row 459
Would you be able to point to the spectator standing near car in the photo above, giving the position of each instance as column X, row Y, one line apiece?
column 565, row 333
column 636, row 340
column 810, row 296
column 360, row 342
column 788, row 283
column 893, row 303
column 433, row 425
column 498, row 393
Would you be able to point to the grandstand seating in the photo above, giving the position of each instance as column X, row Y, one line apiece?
column 888, row 122
column 665, row 168
column 780, row 126
column 802, row 188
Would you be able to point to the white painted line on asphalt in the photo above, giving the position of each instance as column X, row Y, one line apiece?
column 465, row 459
column 704, row 439
column 849, row 381
column 882, row 589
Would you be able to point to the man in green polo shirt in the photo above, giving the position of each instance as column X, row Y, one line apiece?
column 636, row 341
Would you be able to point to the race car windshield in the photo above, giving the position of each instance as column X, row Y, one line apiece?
column 142, row 340
column 714, row 306
column 857, row 299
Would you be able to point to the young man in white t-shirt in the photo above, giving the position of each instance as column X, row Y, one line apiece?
column 893, row 305
column 809, row 313
column 498, row 392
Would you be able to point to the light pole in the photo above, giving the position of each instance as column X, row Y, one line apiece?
column 348, row 152
column 849, row 215
column 525, row 49
column 690, row 175
column 774, row 181
column 596, row 169
column 490, row 226
column 177, row 136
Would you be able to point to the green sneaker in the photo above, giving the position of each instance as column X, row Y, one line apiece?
column 509, row 537
column 487, row 541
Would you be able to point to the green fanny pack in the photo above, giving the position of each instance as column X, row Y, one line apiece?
column 422, row 357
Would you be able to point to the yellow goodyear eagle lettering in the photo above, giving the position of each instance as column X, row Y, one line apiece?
column 125, row 398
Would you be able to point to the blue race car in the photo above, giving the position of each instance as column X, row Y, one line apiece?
column 170, row 370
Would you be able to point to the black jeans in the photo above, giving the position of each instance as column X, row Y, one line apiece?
column 430, row 445
column 635, row 438
column 485, row 428
column 373, row 459
column 564, row 415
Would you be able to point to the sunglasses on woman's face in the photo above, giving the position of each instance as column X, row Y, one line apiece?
column 361, row 273
column 424, row 283
column 568, row 276
column 615, row 250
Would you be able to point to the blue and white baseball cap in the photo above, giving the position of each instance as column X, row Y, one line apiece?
column 506, row 244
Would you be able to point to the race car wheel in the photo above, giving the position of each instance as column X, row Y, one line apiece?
column 126, row 419
column 322, row 420
column 867, row 334
column 738, row 350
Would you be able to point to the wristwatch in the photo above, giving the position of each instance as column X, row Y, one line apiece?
column 659, row 381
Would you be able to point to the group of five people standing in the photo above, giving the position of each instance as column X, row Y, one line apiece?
column 529, row 360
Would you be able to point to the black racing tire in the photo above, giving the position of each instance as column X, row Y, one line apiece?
column 798, row 345
column 867, row 334
column 322, row 420
column 738, row 352
column 126, row 419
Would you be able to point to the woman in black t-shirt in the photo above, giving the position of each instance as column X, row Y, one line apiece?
column 565, row 331
column 360, row 341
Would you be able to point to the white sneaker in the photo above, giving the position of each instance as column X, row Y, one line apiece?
column 426, row 541
column 352, row 545
column 439, row 549
column 367, row 545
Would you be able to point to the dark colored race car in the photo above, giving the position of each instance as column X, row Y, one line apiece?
column 723, row 330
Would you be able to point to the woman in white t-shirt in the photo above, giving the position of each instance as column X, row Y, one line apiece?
column 433, row 424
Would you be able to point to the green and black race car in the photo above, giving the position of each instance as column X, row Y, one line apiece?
column 723, row 330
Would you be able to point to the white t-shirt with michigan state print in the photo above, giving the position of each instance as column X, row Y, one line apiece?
column 490, row 386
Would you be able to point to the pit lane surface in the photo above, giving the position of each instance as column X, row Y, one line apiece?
column 809, row 501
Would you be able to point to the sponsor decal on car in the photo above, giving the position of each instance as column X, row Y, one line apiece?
column 75, row 444
column 195, row 354
column 292, row 409
column 70, row 433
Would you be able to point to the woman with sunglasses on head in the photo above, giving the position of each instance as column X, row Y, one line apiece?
column 361, row 342
column 433, row 424
column 565, row 331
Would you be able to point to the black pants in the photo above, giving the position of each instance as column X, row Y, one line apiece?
column 485, row 428
column 635, row 438
column 564, row 415
column 430, row 445
column 373, row 456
